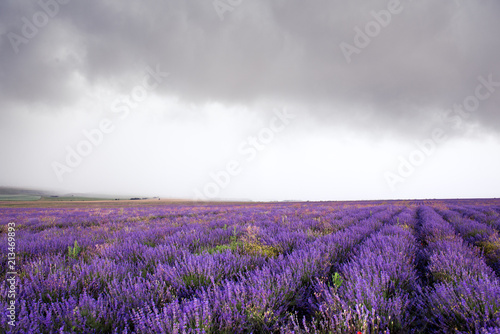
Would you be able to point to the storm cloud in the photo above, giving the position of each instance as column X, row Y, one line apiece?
column 391, row 69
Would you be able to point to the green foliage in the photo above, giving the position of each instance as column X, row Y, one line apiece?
column 443, row 277
column 253, row 248
column 92, row 320
column 233, row 246
column 149, row 243
column 195, row 280
column 474, row 233
column 337, row 280
column 261, row 319
column 247, row 245
column 149, row 268
column 74, row 251
column 490, row 247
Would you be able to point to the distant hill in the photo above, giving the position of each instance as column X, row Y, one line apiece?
column 27, row 194
column 24, row 191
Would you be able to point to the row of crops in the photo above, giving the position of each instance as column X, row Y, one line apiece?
column 255, row 268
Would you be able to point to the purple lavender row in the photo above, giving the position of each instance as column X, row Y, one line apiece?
column 465, row 296
column 122, row 265
column 374, row 291
column 478, row 234
column 197, row 238
column 252, row 246
column 254, row 267
column 261, row 302
column 484, row 215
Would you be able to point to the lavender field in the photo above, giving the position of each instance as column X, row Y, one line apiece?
column 339, row 267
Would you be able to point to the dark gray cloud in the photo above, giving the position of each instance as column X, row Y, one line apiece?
column 426, row 59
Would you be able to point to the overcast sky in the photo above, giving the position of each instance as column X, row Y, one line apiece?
column 251, row 99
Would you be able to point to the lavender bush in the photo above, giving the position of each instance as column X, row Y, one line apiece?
column 342, row 267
